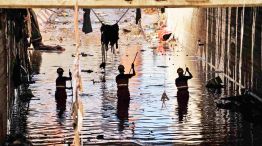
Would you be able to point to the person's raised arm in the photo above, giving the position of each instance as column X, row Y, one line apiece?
column 133, row 68
column 190, row 75
column 70, row 76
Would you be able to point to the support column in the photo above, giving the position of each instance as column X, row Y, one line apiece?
column 3, row 79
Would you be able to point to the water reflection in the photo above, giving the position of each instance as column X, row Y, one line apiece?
column 122, row 112
column 36, row 61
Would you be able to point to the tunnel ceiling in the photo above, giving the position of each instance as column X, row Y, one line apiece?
column 126, row 3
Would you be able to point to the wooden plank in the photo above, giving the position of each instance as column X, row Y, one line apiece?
column 126, row 3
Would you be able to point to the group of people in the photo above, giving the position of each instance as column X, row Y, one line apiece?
column 122, row 79
column 123, row 94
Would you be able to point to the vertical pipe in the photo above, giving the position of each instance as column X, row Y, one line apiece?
column 253, row 45
column 3, row 79
column 207, row 39
column 228, row 44
column 236, row 48
column 215, row 57
column 241, row 47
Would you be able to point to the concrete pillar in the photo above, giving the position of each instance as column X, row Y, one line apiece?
column 3, row 80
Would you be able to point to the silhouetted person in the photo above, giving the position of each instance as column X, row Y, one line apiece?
column 182, row 92
column 122, row 82
column 123, row 94
column 181, row 81
column 60, row 94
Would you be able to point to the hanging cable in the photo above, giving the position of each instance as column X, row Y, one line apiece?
column 122, row 16
column 103, row 22
column 97, row 16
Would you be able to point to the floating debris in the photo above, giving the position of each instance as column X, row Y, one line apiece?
column 164, row 96
column 83, row 54
column 103, row 65
column 153, row 48
column 163, row 66
column 126, row 30
column 100, row 137
column 88, row 71
column 26, row 95
column 95, row 81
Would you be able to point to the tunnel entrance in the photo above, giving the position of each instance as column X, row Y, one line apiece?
column 211, row 42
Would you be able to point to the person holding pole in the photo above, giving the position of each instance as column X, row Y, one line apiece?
column 60, row 94
column 123, row 95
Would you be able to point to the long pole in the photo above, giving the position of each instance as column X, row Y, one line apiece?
column 133, row 62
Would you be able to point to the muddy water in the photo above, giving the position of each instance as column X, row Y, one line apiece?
column 149, row 120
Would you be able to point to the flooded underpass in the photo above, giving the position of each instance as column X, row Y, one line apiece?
column 148, row 120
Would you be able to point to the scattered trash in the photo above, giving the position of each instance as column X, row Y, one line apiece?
column 26, row 95
column 87, row 71
column 100, row 137
column 83, row 54
column 164, row 97
column 95, row 81
column 103, row 65
column 163, row 66
column 153, row 48
column 215, row 83
column 126, row 30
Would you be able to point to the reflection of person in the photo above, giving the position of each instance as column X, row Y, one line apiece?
column 36, row 38
column 182, row 91
column 60, row 94
column 122, row 112
column 123, row 94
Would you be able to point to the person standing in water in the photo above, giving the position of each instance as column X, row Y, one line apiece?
column 123, row 94
column 182, row 91
column 60, row 94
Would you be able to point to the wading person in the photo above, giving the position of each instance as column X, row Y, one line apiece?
column 182, row 91
column 123, row 94
column 60, row 94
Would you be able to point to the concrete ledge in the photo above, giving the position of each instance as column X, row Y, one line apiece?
column 126, row 3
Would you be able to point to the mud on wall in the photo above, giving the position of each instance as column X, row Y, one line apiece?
column 13, row 44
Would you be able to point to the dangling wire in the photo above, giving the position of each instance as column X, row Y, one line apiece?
column 103, row 22
column 122, row 16
column 97, row 16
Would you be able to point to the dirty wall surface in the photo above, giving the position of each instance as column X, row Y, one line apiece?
column 233, row 46
column 148, row 120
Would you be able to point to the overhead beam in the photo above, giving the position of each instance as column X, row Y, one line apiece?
column 126, row 3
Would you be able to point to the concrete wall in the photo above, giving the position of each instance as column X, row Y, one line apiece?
column 188, row 25
column 13, row 42
column 232, row 42
column 233, row 45
column 3, row 79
